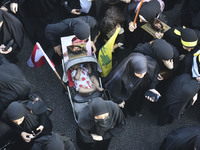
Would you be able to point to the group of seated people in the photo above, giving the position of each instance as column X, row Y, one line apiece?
column 163, row 68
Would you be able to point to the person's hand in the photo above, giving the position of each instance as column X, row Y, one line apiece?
column 2, row 47
column 160, row 78
column 75, row 11
column 41, row 127
column 57, row 50
column 122, row 104
column 132, row 27
column 159, row 35
column 154, row 91
column 4, row 8
column 26, row 136
column 194, row 99
column 14, row 7
column 198, row 79
column 93, row 47
column 126, row 1
column 169, row 63
column 97, row 137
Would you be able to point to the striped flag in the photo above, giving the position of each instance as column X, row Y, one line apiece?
column 38, row 57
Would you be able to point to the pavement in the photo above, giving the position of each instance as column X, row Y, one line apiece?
column 142, row 131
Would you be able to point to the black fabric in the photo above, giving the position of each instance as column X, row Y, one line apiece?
column 188, row 35
column 185, row 138
column 13, row 85
column 160, row 50
column 88, row 126
column 11, row 29
column 53, row 32
column 99, row 107
column 150, row 10
column 36, row 14
column 179, row 94
column 12, row 78
column 6, row 134
column 121, row 82
column 30, row 122
column 36, row 103
column 54, row 141
column 81, row 30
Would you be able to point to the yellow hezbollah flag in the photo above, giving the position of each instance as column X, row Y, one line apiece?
column 105, row 54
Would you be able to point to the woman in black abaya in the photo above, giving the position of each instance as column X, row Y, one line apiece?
column 98, row 122
column 186, row 138
column 25, row 123
column 11, row 29
column 130, row 80
column 179, row 96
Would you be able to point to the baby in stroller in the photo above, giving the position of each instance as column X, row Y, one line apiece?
column 84, row 80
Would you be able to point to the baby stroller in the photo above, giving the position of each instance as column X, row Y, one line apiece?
column 78, row 101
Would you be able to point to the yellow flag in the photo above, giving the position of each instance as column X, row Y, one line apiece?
column 105, row 54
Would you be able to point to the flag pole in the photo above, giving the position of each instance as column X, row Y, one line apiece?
column 137, row 12
column 52, row 66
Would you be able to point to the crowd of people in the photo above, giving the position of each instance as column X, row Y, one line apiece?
column 163, row 69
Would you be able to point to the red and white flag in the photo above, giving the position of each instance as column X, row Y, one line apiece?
column 38, row 57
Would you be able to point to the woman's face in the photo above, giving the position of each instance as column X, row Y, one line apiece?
column 188, row 48
column 19, row 121
column 140, row 75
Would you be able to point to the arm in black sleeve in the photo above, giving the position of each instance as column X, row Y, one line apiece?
column 94, row 28
column 130, row 11
column 119, row 126
column 43, row 119
column 154, row 80
column 54, row 32
column 85, row 135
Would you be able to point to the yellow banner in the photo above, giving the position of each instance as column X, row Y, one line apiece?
column 105, row 54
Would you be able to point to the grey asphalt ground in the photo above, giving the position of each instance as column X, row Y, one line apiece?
column 142, row 132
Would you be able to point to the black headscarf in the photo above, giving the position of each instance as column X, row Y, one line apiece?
column 87, row 122
column 99, row 107
column 81, row 29
column 159, row 49
column 150, row 10
column 185, row 138
column 122, row 80
column 17, row 110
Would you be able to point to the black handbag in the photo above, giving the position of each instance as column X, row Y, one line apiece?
column 37, row 105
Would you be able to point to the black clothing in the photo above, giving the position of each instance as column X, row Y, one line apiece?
column 185, row 138
column 16, row 110
column 122, row 82
column 109, row 127
column 159, row 50
column 30, row 123
column 11, row 29
column 178, row 96
column 171, row 37
column 53, row 141
column 13, row 85
column 68, row 26
column 36, row 14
